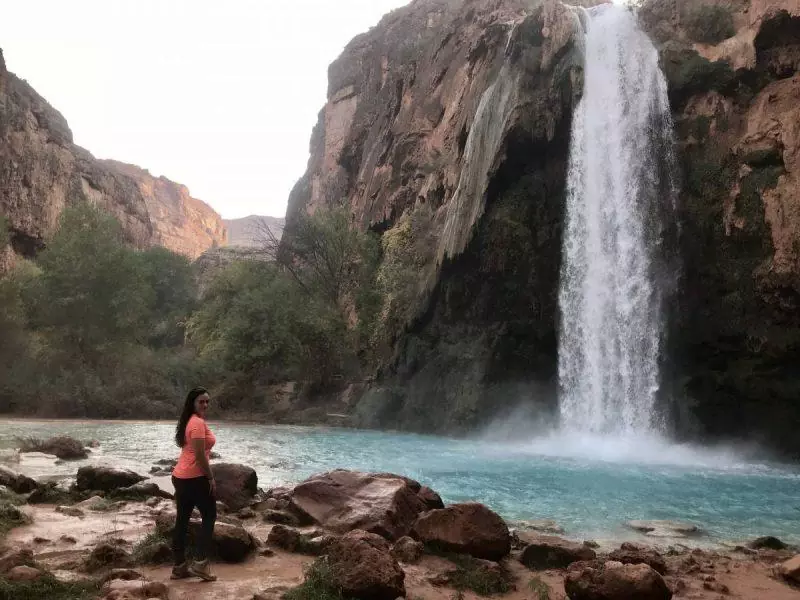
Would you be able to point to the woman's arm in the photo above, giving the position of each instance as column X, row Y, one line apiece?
column 199, row 447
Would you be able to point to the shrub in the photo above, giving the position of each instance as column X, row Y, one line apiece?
column 11, row 517
column 318, row 585
column 48, row 587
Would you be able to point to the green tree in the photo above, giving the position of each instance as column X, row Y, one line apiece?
column 92, row 293
column 170, row 278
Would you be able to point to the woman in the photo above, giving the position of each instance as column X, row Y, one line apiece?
column 194, row 485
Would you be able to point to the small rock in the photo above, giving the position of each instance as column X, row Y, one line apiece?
column 407, row 550
column 549, row 552
column 591, row 544
column 468, row 528
column 15, row 558
column 431, row 499
column 145, row 489
column 106, row 479
column 152, row 502
column 616, row 581
column 660, row 528
column 266, row 552
column 70, row 511
column 23, row 573
column 767, row 542
column 631, row 554
column 280, row 517
column 791, row 569
column 68, row 539
column 107, row 555
column 120, row 589
column 222, row 508
column 246, row 513
column 40, row 540
column 122, row 574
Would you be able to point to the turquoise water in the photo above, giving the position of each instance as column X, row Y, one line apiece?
column 590, row 488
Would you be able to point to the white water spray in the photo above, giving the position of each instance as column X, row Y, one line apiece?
column 620, row 193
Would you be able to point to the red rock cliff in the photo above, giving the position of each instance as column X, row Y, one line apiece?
column 42, row 171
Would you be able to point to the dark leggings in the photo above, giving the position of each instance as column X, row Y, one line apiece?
column 188, row 494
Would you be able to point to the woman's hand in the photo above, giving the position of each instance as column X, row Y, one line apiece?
column 212, row 484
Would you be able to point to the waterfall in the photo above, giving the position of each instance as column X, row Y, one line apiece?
column 620, row 198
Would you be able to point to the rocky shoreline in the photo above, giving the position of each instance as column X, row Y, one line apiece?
column 347, row 534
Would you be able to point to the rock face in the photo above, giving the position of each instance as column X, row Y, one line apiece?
column 248, row 232
column 615, row 581
column 106, row 479
column 362, row 567
column 735, row 331
column 465, row 529
column 342, row 501
column 447, row 131
column 42, row 172
column 236, row 484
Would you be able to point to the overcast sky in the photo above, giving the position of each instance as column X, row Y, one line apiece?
column 220, row 96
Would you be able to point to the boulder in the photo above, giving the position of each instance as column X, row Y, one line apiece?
column 767, row 542
column 631, row 554
column 16, row 482
column 469, row 528
column 314, row 542
column 363, row 567
column 106, row 479
column 790, row 570
column 343, row 501
column 550, row 552
column 23, row 573
column 231, row 543
column 615, row 581
column 281, row 517
column 236, row 484
column 62, row 446
column 407, row 550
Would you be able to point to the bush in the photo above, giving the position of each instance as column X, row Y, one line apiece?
column 710, row 24
column 153, row 549
column 11, row 517
column 317, row 585
column 472, row 574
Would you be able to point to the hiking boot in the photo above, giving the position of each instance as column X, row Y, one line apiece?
column 180, row 571
column 202, row 569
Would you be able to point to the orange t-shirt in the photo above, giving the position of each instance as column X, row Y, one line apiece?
column 187, row 467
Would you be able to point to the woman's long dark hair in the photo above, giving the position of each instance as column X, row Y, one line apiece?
column 186, row 414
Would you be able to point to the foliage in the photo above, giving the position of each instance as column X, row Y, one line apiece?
column 710, row 23
column 317, row 585
column 48, row 587
column 540, row 589
column 11, row 517
column 473, row 575
column 151, row 550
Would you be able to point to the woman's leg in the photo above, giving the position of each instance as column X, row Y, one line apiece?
column 185, row 503
column 207, row 505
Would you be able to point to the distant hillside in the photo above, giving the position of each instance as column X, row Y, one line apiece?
column 248, row 232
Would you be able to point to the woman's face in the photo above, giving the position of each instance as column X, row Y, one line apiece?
column 201, row 405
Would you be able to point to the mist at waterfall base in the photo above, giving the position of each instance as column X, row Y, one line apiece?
column 616, row 273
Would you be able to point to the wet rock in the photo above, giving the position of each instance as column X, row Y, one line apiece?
column 407, row 550
column 790, row 569
column 246, row 513
column 106, row 479
column 658, row 528
column 767, row 543
column 469, row 528
column 24, row 574
column 550, row 552
column 121, row 574
column 63, row 447
column 236, row 484
column 280, row 517
column 121, row 589
column 70, row 511
column 144, row 490
column 231, row 543
column 363, row 567
column 631, row 554
column 16, row 482
column 107, row 555
column 15, row 557
column 343, row 501
column 615, row 581
column 540, row 526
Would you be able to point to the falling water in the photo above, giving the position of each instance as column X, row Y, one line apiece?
column 620, row 197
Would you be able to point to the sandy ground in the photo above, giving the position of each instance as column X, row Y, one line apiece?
column 691, row 574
